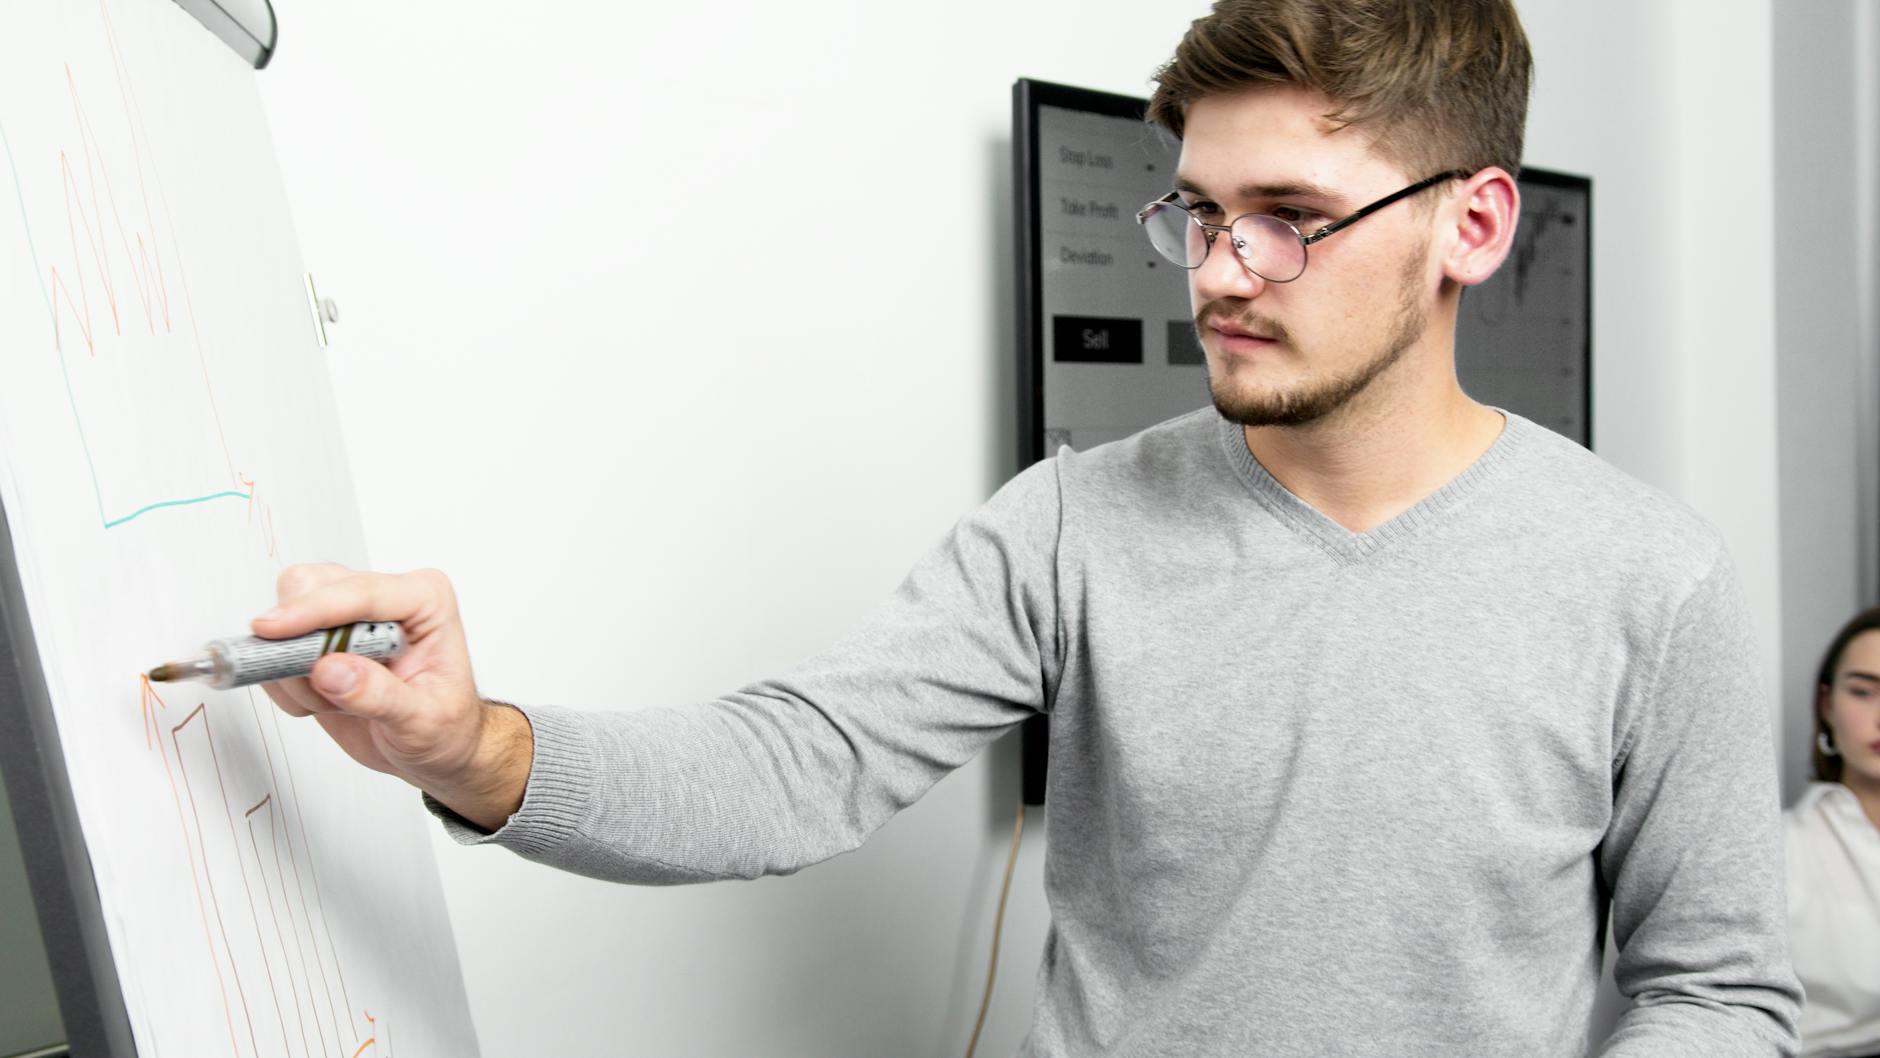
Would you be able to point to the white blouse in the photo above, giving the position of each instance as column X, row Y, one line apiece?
column 1834, row 920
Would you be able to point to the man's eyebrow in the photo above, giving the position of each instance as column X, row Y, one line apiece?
column 1856, row 674
column 1286, row 189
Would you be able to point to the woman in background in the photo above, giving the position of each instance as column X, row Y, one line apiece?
column 1833, row 840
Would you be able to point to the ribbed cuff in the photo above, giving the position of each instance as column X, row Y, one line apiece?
column 555, row 803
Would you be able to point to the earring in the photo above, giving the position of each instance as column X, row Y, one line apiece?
column 1825, row 745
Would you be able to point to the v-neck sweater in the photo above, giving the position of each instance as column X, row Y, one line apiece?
column 1339, row 542
column 1311, row 792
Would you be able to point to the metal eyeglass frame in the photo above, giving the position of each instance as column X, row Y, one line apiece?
column 1209, row 231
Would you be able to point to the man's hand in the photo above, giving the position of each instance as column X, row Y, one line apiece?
column 419, row 717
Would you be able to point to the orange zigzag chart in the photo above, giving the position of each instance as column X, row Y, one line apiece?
column 119, row 288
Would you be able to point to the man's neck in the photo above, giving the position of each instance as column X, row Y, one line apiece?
column 1375, row 458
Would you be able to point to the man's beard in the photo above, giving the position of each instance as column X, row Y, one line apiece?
column 1314, row 399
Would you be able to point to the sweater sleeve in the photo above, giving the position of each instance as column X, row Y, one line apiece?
column 1693, row 855
column 788, row 772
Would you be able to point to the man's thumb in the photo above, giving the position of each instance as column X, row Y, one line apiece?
column 358, row 686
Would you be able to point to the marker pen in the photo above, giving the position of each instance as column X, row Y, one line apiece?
column 242, row 660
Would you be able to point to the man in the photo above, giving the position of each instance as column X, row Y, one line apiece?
column 1368, row 701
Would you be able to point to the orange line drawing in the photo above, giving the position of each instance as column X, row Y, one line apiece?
column 247, row 889
column 299, row 885
column 143, row 253
column 123, row 242
column 282, row 882
column 209, row 876
column 313, row 870
column 148, row 694
column 280, row 936
column 145, row 695
column 281, row 885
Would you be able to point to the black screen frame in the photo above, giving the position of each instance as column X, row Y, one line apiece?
column 1028, row 218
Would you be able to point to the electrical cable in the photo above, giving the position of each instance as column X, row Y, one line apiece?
column 998, row 923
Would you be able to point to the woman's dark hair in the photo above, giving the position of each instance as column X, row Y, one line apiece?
column 1827, row 768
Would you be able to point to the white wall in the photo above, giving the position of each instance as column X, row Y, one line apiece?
column 1667, row 107
column 676, row 337
column 1825, row 185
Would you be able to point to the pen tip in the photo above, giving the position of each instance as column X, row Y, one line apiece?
column 161, row 674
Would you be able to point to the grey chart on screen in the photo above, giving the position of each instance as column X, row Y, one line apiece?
column 1119, row 346
column 1521, row 337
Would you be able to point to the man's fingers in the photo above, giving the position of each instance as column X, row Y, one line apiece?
column 333, row 595
column 293, row 583
column 290, row 709
column 295, row 698
column 299, row 579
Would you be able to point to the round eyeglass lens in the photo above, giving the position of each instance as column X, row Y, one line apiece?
column 1269, row 247
column 1175, row 235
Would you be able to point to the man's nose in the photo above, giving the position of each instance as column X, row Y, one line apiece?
column 1222, row 275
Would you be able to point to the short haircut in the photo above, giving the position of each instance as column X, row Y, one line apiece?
column 1435, row 84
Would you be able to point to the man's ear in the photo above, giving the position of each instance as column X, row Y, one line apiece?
column 1485, row 217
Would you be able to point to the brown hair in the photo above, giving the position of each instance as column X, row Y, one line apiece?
column 1827, row 768
column 1438, row 84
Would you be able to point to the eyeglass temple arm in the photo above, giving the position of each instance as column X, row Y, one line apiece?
column 1345, row 222
column 1172, row 198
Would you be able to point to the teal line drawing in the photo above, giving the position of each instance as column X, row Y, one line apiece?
column 177, row 503
column 65, row 372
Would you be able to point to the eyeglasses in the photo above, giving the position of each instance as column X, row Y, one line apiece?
column 1266, row 245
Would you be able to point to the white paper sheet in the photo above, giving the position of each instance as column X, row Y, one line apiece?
column 167, row 444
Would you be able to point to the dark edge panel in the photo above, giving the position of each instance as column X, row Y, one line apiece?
column 255, row 44
column 1584, row 185
column 1027, row 96
column 1035, row 735
column 58, row 867
column 1589, row 312
column 1025, row 240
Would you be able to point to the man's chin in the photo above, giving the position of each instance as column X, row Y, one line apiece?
column 1267, row 409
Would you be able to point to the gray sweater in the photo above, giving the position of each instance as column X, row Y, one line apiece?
column 1313, row 793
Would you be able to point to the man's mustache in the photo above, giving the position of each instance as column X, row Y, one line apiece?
column 1232, row 314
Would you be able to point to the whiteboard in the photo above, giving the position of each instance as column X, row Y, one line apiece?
column 167, row 444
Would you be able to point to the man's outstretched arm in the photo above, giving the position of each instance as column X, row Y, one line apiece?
column 765, row 780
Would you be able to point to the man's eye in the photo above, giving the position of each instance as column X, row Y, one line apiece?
column 1203, row 208
column 1292, row 215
